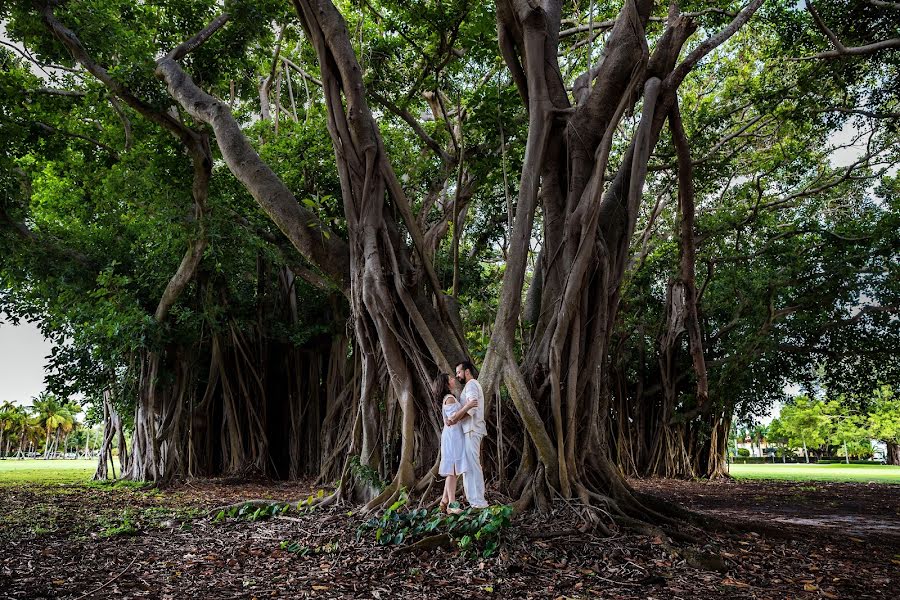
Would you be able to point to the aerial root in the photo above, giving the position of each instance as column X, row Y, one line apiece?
column 441, row 540
column 322, row 502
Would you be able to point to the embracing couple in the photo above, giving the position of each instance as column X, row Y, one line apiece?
column 462, row 406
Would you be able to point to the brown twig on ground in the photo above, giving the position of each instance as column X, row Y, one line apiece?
column 97, row 589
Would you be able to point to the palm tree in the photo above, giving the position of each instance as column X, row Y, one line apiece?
column 15, row 423
column 70, row 409
column 758, row 433
column 53, row 416
column 7, row 411
column 741, row 435
column 33, row 433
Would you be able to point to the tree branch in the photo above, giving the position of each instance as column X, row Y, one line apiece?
column 68, row 39
column 600, row 25
column 55, row 92
column 307, row 233
column 824, row 28
column 608, row 24
column 711, row 43
column 181, row 278
column 126, row 122
column 883, row 4
column 688, row 254
column 840, row 49
column 198, row 40
column 300, row 70
column 712, row 151
column 855, row 51
column 412, row 122
column 861, row 111
column 99, row 144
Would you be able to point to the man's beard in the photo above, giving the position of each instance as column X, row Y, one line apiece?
column 461, row 380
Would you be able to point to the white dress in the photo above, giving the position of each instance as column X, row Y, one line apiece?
column 453, row 444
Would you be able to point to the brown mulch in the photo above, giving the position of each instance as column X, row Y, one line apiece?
column 820, row 508
column 65, row 541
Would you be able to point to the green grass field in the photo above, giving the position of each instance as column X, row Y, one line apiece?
column 38, row 471
column 814, row 472
column 13, row 471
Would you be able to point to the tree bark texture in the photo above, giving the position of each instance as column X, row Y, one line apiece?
column 403, row 332
column 564, row 386
column 571, row 419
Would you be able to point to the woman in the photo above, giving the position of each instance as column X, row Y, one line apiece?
column 453, row 456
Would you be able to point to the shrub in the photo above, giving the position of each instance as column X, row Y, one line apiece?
column 475, row 532
column 743, row 452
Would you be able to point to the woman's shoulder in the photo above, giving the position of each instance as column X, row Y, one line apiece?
column 450, row 399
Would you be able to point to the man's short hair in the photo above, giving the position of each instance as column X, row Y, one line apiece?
column 467, row 366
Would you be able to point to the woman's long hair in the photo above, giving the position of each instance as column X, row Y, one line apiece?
column 440, row 387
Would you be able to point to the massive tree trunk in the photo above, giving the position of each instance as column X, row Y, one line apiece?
column 893, row 453
column 112, row 429
column 403, row 332
column 563, row 382
column 158, row 447
column 563, row 389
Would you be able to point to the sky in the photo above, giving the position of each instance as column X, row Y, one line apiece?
column 23, row 352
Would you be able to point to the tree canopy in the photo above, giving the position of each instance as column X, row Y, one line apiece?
column 255, row 231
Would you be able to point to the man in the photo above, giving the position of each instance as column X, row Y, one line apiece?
column 471, row 416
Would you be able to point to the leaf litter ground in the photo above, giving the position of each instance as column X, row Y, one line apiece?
column 818, row 541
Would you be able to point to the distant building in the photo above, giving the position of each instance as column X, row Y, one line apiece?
column 879, row 450
column 750, row 444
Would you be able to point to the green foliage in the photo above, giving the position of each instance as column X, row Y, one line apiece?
column 743, row 452
column 804, row 422
column 111, row 219
column 847, row 430
column 124, row 527
column 475, row 532
column 839, row 423
column 253, row 512
column 304, row 550
column 884, row 417
column 365, row 474
column 118, row 484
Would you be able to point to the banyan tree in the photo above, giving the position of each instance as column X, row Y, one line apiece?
column 401, row 318
column 377, row 255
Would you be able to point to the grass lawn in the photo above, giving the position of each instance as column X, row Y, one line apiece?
column 30, row 470
column 814, row 472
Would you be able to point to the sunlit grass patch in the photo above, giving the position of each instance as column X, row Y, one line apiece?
column 815, row 472
column 39, row 471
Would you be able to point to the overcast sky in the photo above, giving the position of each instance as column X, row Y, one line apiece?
column 23, row 352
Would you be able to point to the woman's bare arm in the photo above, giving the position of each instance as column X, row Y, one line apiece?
column 462, row 412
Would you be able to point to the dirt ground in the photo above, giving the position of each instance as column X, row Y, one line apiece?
column 819, row 540
column 863, row 510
